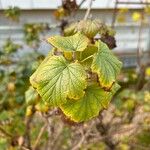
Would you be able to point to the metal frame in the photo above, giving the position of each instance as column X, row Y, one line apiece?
column 119, row 2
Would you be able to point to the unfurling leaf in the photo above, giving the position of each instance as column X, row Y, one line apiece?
column 106, row 65
column 89, row 106
column 89, row 27
column 77, row 42
column 56, row 79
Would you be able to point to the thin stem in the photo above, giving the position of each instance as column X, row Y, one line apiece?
column 74, row 56
column 28, row 121
column 88, row 10
column 87, row 58
column 39, row 137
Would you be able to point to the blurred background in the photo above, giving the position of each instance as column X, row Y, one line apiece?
column 24, row 27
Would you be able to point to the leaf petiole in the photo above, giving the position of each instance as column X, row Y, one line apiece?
column 87, row 58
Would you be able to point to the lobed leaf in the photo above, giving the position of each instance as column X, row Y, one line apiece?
column 89, row 106
column 77, row 42
column 56, row 79
column 106, row 65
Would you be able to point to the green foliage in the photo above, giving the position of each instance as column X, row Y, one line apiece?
column 90, row 28
column 10, row 47
column 13, row 13
column 31, row 96
column 32, row 32
column 106, row 65
column 144, row 138
column 77, row 42
column 62, row 81
column 86, row 56
column 78, row 78
column 94, row 100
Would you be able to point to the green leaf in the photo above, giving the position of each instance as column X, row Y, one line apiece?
column 106, row 65
column 89, row 106
column 31, row 96
column 77, row 42
column 86, row 56
column 110, row 94
column 89, row 27
column 56, row 79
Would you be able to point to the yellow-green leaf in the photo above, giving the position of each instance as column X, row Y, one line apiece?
column 56, row 79
column 71, row 29
column 77, row 42
column 31, row 96
column 110, row 94
column 86, row 56
column 89, row 106
column 89, row 27
column 106, row 65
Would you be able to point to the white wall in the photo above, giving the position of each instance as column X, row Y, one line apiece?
column 53, row 4
column 127, row 35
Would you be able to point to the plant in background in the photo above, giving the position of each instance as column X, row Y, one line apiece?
column 121, row 16
column 12, row 13
column 79, row 75
column 136, row 16
column 10, row 47
column 32, row 33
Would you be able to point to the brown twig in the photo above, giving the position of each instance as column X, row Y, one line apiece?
column 39, row 137
column 83, row 137
column 27, row 143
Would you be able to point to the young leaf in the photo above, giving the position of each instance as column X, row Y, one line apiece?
column 56, row 79
column 31, row 96
column 106, row 65
column 89, row 106
column 89, row 27
column 71, row 29
column 77, row 42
